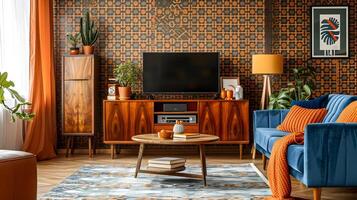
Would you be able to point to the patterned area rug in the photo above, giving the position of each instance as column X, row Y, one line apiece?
column 239, row 181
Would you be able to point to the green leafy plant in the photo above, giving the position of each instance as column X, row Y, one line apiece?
column 127, row 74
column 7, row 87
column 300, row 88
column 73, row 39
column 89, row 32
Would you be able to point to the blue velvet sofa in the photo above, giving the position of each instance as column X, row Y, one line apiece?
column 328, row 157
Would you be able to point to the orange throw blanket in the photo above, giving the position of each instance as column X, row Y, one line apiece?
column 278, row 169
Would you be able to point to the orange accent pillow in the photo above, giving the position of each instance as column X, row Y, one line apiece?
column 349, row 114
column 298, row 118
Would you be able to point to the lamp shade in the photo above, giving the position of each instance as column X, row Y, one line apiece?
column 267, row 64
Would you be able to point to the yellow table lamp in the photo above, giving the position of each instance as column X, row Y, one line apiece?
column 267, row 64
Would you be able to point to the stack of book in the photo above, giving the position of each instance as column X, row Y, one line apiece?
column 186, row 135
column 167, row 164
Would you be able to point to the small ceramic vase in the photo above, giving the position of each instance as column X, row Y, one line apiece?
column 178, row 127
column 229, row 95
column 223, row 93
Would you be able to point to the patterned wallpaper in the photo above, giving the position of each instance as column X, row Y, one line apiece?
column 129, row 28
column 233, row 28
column 291, row 37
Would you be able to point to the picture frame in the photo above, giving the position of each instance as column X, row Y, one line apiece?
column 226, row 82
column 329, row 32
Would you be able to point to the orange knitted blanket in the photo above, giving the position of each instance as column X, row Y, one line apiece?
column 278, row 169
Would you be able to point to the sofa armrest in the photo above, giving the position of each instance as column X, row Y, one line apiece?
column 330, row 155
column 268, row 118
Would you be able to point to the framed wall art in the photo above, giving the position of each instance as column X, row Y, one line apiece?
column 329, row 35
column 229, row 83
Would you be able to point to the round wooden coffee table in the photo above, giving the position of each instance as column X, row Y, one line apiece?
column 154, row 139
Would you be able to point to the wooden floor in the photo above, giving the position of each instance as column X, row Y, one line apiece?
column 52, row 172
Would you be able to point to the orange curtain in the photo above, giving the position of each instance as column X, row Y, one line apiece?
column 40, row 138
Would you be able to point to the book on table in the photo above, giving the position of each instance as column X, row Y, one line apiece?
column 186, row 135
column 166, row 170
column 167, row 166
column 167, row 160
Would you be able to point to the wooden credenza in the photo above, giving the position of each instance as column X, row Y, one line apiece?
column 123, row 119
column 78, row 99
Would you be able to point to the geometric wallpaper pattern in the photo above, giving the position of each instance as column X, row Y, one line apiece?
column 233, row 28
column 291, row 37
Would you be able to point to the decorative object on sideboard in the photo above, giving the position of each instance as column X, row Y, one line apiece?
column 113, row 92
column 267, row 64
column 223, row 93
column 229, row 83
column 73, row 39
column 89, row 34
column 178, row 127
column 238, row 93
column 329, row 35
column 229, row 95
column 299, row 89
column 165, row 134
column 127, row 75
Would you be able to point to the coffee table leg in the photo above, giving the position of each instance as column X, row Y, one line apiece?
column 140, row 157
column 203, row 163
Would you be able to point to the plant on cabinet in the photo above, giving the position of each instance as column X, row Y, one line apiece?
column 89, row 34
column 127, row 75
column 73, row 40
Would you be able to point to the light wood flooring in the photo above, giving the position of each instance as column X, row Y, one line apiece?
column 52, row 172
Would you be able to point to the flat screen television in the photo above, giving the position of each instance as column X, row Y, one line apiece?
column 181, row 72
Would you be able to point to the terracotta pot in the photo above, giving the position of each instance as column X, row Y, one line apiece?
column 73, row 51
column 124, row 93
column 88, row 50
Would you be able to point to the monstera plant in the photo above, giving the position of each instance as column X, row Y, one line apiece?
column 299, row 89
column 16, row 111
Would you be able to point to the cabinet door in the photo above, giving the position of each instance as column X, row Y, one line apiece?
column 116, row 121
column 141, row 117
column 78, row 67
column 209, row 117
column 235, row 124
column 78, row 107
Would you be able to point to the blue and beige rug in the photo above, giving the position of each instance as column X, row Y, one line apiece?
column 239, row 181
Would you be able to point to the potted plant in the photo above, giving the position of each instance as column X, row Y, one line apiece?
column 89, row 34
column 15, row 109
column 300, row 88
column 73, row 39
column 127, row 75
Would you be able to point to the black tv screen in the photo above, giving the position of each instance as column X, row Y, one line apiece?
column 181, row 72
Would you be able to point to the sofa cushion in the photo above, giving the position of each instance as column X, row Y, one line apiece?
column 320, row 102
column 349, row 114
column 295, row 154
column 263, row 135
column 298, row 118
column 335, row 105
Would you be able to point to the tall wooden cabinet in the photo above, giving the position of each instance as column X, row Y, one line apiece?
column 125, row 118
column 78, row 99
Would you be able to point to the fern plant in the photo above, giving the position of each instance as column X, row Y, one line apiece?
column 7, row 87
column 299, row 89
column 89, row 32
